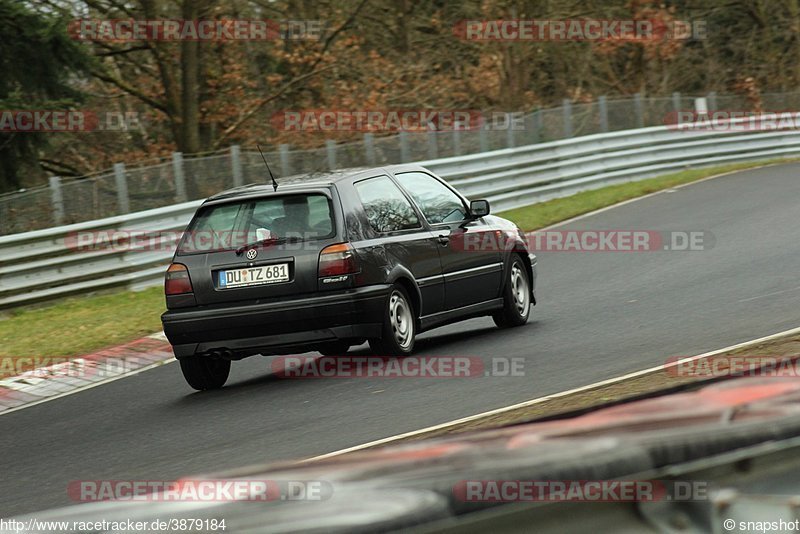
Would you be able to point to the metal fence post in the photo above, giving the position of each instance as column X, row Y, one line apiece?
column 57, row 199
column 236, row 166
column 121, row 181
column 701, row 106
column 330, row 147
column 483, row 138
column 567, row 109
column 536, row 129
column 676, row 101
column 712, row 101
column 286, row 163
column 602, row 108
column 510, row 130
column 402, row 137
column 433, row 144
column 369, row 148
column 180, row 179
column 639, row 110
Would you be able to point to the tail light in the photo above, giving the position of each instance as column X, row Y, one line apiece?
column 177, row 281
column 337, row 260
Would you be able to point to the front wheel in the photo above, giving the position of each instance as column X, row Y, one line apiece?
column 516, row 297
column 399, row 326
column 203, row 372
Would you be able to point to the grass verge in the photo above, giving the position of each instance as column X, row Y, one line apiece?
column 79, row 325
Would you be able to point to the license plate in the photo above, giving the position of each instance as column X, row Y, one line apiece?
column 253, row 276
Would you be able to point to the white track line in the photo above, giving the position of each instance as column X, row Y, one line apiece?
column 540, row 400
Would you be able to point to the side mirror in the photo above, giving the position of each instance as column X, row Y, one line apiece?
column 479, row 208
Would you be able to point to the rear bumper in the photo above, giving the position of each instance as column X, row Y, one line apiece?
column 268, row 328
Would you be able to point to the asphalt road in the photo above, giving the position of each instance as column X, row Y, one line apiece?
column 600, row 315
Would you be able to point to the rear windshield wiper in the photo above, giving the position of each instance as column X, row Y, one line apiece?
column 265, row 241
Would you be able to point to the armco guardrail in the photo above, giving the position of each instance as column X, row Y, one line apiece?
column 133, row 186
column 40, row 265
column 517, row 177
column 43, row 264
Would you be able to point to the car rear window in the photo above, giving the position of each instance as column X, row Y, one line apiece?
column 295, row 218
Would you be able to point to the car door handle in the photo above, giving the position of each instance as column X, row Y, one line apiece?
column 443, row 240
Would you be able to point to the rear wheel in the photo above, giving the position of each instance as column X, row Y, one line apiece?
column 203, row 372
column 399, row 326
column 516, row 297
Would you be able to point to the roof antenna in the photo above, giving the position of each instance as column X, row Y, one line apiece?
column 274, row 183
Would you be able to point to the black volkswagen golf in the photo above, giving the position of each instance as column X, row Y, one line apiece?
column 375, row 255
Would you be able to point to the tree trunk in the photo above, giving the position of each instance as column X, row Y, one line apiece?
column 190, row 67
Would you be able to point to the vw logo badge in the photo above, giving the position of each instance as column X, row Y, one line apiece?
column 251, row 254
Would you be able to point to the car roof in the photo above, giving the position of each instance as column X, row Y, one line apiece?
column 299, row 183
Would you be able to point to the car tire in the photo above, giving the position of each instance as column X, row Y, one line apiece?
column 335, row 348
column 516, row 296
column 399, row 325
column 204, row 373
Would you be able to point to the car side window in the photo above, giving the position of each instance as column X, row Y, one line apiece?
column 387, row 209
column 436, row 201
column 319, row 214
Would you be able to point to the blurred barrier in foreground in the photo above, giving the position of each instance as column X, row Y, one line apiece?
column 44, row 264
